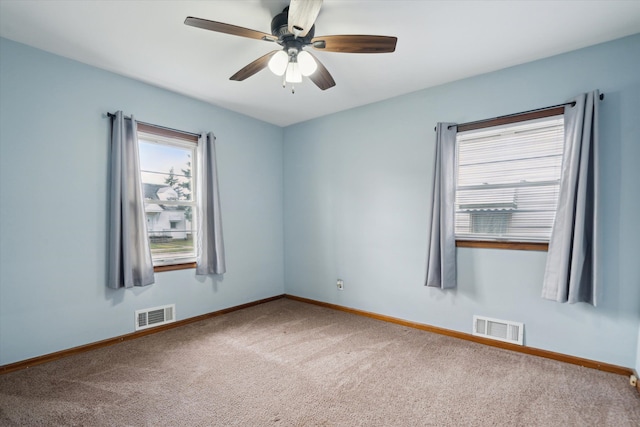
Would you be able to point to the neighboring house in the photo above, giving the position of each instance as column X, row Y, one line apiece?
column 492, row 217
column 164, row 222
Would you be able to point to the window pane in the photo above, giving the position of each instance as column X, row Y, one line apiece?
column 170, row 231
column 508, row 180
column 516, row 154
column 166, row 169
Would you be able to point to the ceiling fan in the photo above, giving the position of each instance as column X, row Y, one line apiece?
column 293, row 29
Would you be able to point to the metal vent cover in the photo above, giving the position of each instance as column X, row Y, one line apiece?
column 501, row 330
column 156, row 316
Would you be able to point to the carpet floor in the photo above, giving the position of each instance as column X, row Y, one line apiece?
column 287, row 363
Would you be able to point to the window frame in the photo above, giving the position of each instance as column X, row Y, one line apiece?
column 170, row 134
column 507, row 120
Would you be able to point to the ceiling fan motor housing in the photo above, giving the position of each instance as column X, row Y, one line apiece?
column 280, row 28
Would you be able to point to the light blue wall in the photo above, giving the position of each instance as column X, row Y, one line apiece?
column 358, row 188
column 356, row 193
column 54, row 141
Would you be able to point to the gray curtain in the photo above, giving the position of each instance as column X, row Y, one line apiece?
column 441, row 255
column 130, row 261
column 210, row 254
column 571, row 273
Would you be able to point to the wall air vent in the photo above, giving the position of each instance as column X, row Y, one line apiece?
column 501, row 330
column 150, row 317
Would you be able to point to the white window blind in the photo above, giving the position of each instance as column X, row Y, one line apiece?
column 507, row 180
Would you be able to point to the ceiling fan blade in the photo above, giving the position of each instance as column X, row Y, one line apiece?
column 302, row 15
column 355, row 44
column 321, row 77
column 252, row 68
column 221, row 27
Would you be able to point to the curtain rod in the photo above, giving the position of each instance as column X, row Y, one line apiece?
column 518, row 114
column 158, row 126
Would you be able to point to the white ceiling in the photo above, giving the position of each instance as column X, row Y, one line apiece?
column 438, row 42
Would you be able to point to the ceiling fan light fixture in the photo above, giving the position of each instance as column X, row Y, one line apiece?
column 307, row 64
column 293, row 73
column 278, row 63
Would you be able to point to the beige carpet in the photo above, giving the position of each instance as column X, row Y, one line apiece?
column 287, row 363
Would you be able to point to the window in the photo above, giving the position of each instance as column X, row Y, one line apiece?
column 167, row 162
column 508, row 179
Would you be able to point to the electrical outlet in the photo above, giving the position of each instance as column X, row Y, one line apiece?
column 340, row 284
column 633, row 380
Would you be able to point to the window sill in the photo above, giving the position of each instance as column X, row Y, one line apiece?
column 522, row 246
column 172, row 267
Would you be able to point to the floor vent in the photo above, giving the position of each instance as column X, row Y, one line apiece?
column 501, row 330
column 156, row 316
